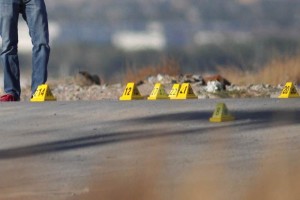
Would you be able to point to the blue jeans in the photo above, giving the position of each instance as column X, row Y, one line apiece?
column 35, row 14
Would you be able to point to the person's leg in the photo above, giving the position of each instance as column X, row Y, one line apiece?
column 35, row 15
column 9, row 13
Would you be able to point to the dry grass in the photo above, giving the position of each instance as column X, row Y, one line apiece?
column 277, row 71
column 167, row 66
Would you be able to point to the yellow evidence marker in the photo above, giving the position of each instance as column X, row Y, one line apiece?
column 43, row 93
column 174, row 91
column 186, row 92
column 131, row 93
column 221, row 114
column 289, row 91
column 158, row 92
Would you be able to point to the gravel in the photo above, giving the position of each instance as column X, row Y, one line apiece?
column 69, row 90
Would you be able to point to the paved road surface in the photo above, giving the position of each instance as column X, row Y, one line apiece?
column 159, row 149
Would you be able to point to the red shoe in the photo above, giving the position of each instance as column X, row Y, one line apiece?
column 8, row 97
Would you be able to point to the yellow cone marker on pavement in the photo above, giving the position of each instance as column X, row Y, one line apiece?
column 289, row 91
column 43, row 93
column 186, row 92
column 131, row 92
column 158, row 92
column 221, row 114
column 174, row 91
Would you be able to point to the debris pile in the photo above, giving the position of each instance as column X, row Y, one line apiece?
column 84, row 86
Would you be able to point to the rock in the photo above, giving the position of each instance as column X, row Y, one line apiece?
column 198, row 79
column 83, row 79
column 160, row 77
column 231, row 88
column 259, row 87
column 187, row 78
column 190, row 78
column 140, row 83
column 173, row 81
column 151, row 79
column 96, row 79
column 268, row 86
column 224, row 82
column 117, row 85
column 214, row 86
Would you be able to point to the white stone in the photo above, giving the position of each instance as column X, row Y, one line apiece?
column 213, row 86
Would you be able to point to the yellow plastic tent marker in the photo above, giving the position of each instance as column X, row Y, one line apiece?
column 43, row 93
column 158, row 92
column 221, row 114
column 131, row 93
column 186, row 92
column 174, row 91
column 289, row 91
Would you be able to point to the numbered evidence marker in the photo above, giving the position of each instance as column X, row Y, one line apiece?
column 186, row 92
column 221, row 114
column 158, row 92
column 131, row 93
column 174, row 91
column 43, row 93
column 289, row 91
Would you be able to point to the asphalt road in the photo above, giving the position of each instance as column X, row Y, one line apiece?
column 70, row 150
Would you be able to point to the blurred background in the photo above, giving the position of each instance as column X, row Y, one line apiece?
column 108, row 37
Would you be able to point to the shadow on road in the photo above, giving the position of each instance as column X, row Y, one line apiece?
column 255, row 119
column 244, row 121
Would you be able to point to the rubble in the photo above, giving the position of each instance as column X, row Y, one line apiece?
column 204, row 87
column 214, row 86
column 84, row 78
